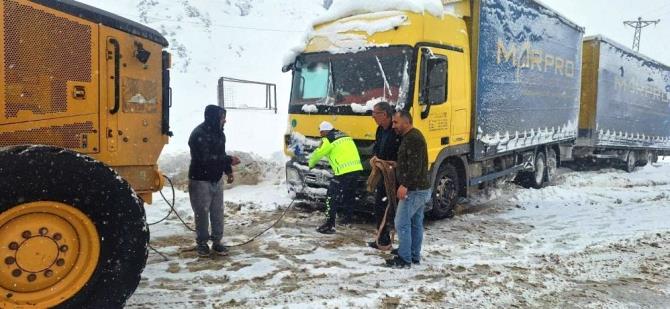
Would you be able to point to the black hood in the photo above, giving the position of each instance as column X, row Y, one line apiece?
column 213, row 117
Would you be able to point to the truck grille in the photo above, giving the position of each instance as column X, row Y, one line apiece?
column 42, row 53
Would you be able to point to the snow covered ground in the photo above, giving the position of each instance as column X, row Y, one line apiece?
column 593, row 239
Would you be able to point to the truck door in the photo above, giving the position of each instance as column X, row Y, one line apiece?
column 434, row 111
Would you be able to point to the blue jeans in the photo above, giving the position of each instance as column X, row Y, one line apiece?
column 409, row 224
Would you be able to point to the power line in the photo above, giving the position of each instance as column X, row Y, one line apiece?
column 665, row 13
column 638, row 25
column 656, row 9
column 154, row 19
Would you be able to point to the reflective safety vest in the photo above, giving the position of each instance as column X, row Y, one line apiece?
column 341, row 152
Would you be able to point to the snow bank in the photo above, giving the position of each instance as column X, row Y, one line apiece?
column 252, row 171
column 346, row 8
column 590, row 208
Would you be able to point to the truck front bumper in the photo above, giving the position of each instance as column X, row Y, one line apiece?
column 312, row 185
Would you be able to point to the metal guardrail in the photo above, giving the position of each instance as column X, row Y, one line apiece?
column 270, row 94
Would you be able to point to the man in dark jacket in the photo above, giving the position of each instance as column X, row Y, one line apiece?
column 386, row 146
column 413, row 191
column 209, row 162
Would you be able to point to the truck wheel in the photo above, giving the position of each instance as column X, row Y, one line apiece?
column 72, row 232
column 631, row 160
column 445, row 192
column 552, row 165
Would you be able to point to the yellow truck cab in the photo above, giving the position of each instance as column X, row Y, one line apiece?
column 423, row 62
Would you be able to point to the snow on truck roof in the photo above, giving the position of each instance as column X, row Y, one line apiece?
column 349, row 15
column 370, row 16
column 560, row 16
column 347, row 8
column 604, row 39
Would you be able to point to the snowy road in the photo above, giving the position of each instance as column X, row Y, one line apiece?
column 594, row 239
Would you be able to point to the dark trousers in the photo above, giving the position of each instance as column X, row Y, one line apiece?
column 381, row 201
column 207, row 203
column 341, row 196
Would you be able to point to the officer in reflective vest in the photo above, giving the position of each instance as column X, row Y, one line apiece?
column 345, row 162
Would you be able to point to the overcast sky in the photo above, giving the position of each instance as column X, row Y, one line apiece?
column 606, row 17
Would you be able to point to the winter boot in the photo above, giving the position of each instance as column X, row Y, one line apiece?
column 203, row 250
column 220, row 249
column 415, row 262
column 398, row 262
column 326, row 228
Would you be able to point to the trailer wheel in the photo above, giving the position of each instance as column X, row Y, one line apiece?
column 534, row 179
column 445, row 192
column 631, row 160
column 552, row 165
column 645, row 160
column 72, row 232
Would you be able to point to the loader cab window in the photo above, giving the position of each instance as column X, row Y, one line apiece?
column 434, row 78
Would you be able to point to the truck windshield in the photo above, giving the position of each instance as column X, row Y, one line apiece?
column 362, row 78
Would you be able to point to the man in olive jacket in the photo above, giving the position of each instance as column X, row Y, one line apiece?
column 413, row 191
column 345, row 162
column 209, row 162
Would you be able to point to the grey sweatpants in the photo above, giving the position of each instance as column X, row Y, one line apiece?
column 207, row 203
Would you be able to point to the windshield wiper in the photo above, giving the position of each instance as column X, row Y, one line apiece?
column 404, row 86
column 386, row 82
column 331, row 96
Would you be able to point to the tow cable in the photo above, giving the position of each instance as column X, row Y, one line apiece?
column 173, row 210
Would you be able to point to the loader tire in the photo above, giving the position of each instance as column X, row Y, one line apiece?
column 72, row 232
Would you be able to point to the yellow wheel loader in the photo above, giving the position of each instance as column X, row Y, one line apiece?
column 84, row 115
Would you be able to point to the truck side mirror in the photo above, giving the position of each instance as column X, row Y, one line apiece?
column 295, row 66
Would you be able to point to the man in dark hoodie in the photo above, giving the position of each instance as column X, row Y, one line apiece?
column 208, row 163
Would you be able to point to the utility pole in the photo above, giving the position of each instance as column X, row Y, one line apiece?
column 638, row 25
